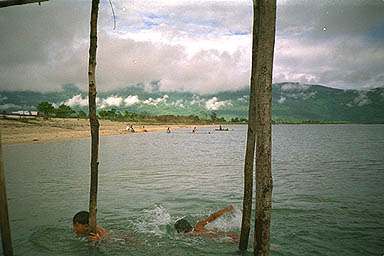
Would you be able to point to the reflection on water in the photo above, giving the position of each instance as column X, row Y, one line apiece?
column 327, row 197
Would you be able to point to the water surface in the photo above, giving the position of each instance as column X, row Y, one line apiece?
column 327, row 196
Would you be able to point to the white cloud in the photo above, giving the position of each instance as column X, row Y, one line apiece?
column 214, row 104
column 111, row 101
column 301, row 95
column 197, row 46
column 243, row 98
column 294, row 87
column 178, row 103
column 362, row 99
column 340, row 60
column 196, row 99
column 282, row 100
column 296, row 91
column 154, row 102
column 131, row 100
column 77, row 100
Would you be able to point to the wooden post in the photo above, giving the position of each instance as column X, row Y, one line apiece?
column 94, row 123
column 19, row 2
column 4, row 225
column 251, row 139
column 266, row 10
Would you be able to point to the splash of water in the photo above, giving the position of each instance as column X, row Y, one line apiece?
column 154, row 221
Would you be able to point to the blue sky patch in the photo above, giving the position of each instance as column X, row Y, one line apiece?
column 238, row 33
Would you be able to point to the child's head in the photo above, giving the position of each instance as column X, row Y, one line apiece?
column 183, row 226
column 80, row 223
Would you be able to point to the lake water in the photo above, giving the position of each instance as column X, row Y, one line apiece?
column 328, row 195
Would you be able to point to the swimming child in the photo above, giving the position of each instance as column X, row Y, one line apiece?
column 80, row 226
column 183, row 226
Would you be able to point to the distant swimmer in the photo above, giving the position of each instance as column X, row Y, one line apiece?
column 194, row 130
column 168, row 130
column 183, row 226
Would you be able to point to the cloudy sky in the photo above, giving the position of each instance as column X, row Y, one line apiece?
column 190, row 45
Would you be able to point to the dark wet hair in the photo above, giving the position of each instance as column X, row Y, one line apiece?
column 81, row 217
column 183, row 226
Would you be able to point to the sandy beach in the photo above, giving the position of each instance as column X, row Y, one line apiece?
column 54, row 129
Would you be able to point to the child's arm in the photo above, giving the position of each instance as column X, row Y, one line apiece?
column 100, row 235
column 200, row 225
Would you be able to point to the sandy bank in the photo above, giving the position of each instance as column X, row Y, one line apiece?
column 54, row 129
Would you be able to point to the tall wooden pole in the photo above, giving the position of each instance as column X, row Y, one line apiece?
column 4, row 220
column 94, row 123
column 266, row 10
column 251, row 139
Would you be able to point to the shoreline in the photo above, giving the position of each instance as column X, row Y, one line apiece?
column 59, row 129
column 26, row 131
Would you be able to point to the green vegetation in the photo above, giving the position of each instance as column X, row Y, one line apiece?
column 81, row 114
column 291, row 103
column 46, row 108
column 144, row 117
column 63, row 111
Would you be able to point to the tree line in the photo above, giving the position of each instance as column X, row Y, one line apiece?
column 65, row 111
column 48, row 110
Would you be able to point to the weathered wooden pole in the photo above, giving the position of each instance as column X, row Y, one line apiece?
column 19, row 2
column 251, row 139
column 266, row 10
column 4, row 219
column 94, row 123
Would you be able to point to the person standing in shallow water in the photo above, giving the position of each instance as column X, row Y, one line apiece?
column 80, row 226
column 183, row 226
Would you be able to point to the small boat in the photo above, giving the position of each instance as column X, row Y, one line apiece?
column 222, row 130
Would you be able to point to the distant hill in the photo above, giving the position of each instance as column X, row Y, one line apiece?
column 291, row 102
column 299, row 102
